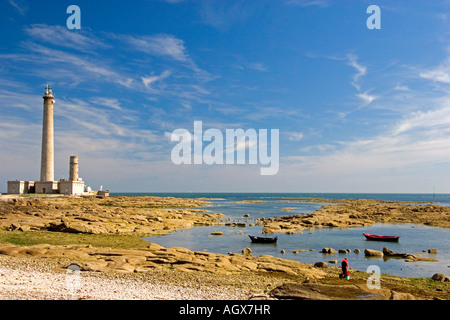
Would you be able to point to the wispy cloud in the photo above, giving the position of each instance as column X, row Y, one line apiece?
column 89, row 65
column 259, row 66
column 112, row 103
column 20, row 6
column 223, row 15
column 438, row 74
column 360, row 70
column 149, row 80
column 308, row 3
column 164, row 45
column 295, row 136
column 81, row 40
column 366, row 98
column 431, row 121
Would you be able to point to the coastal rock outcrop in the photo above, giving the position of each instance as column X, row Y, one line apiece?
column 113, row 215
column 359, row 213
column 372, row 253
column 90, row 258
column 314, row 291
column 409, row 257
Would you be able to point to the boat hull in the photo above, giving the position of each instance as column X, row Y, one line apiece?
column 375, row 237
column 263, row 240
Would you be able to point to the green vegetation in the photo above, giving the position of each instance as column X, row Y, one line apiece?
column 30, row 238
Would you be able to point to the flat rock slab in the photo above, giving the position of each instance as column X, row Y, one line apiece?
column 313, row 291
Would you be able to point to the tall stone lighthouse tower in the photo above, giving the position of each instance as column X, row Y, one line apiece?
column 47, row 156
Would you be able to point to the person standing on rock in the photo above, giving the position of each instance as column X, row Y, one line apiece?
column 345, row 273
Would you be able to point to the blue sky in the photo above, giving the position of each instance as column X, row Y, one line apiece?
column 358, row 110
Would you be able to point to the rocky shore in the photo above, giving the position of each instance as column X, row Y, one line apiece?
column 140, row 216
column 359, row 213
column 41, row 237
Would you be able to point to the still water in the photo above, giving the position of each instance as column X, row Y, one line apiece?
column 415, row 239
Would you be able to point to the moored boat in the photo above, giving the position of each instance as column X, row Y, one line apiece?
column 256, row 239
column 377, row 237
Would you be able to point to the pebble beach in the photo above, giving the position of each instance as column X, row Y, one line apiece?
column 27, row 279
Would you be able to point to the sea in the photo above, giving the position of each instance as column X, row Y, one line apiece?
column 306, row 246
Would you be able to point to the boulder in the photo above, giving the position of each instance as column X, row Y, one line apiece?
column 372, row 253
column 401, row 296
column 328, row 250
column 433, row 251
column 24, row 228
column 439, row 277
column 247, row 252
column 321, row 264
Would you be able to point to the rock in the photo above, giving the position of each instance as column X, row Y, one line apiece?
column 344, row 250
column 247, row 252
column 356, row 251
column 372, row 253
column 297, row 291
column 321, row 264
column 328, row 250
column 407, row 256
column 13, row 226
column 439, row 277
column 24, row 228
column 246, row 215
column 401, row 296
column 96, row 266
column 433, row 251
column 217, row 233
column 333, row 261
column 272, row 267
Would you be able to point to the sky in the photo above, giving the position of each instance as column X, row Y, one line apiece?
column 357, row 109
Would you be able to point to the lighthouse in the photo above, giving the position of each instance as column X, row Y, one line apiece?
column 47, row 184
column 47, row 155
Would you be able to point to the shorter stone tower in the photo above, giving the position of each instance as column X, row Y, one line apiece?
column 73, row 169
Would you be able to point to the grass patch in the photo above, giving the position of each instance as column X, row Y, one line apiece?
column 30, row 238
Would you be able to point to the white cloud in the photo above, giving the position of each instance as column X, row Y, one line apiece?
column 428, row 120
column 81, row 40
column 164, row 45
column 112, row 103
column 84, row 65
column 360, row 70
column 439, row 74
column 257, row 66
column 148, row 80
column 20, row 6
column 366, row 98
column 295, row 136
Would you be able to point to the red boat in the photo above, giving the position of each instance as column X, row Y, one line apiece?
column 380, row 238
